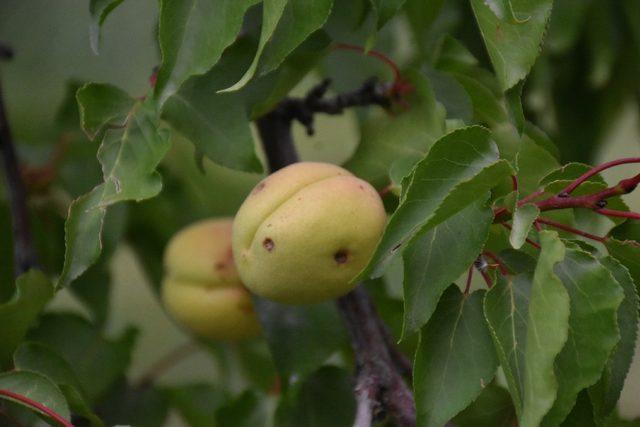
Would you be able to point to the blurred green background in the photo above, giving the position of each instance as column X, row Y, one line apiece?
column 50, row 39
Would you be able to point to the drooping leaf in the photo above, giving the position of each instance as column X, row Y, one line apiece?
column 70, row 336
column 606, row 392
column 523, row 219
column 192, row 36
column 324, row 399
column 33, row 291
column 135, row 406
column 512, row 31
column 272, row 11
column 529, row 320
column 35, row 387
column 455, row 359
column 102, row 105
column 300, row 338
column 409, row 134
column 99, row 10
column 299, row 19
column 593, row 329
column 459, row 169
column 435, row 259
column 217, row 123
column 247, row 410
column 129, row 158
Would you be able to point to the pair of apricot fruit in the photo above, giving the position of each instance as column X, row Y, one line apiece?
column 300, row 237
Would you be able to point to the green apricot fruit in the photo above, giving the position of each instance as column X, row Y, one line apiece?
column 305, row 232
column 201, row 289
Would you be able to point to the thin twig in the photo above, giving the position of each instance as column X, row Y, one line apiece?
column 166, row 362
column 596, row 170
column 24, row 254
column 569, row 229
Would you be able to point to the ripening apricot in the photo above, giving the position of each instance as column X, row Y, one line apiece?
column 201, row 289
column 305, row 232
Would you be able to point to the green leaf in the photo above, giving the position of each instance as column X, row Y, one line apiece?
column 581, row 414
column 102, row 105
column 493, row 408
column 36, row 357
column 385, row 10
column 455, row 359
column 99, row 10
column 529, row 320
column 33, row 291
column 595, row 296
column 300, row 338
column 523, row 219
column 35, row 387
column 244, row 411
column 129, row 158
column 435, row 259
column 192, row 36
column 628, row 253
column 324, row 399
column 216, row 123
column 512, row 31
column 299, row 19
column 409, row 134
column 272, row 11
column 606, row 392
column 71, row 336
column 459, row 169
column 197, row 403
column 134, row 406
column 514, row 106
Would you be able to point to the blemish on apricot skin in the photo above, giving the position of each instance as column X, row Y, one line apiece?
column 341, row 256
column 268, row 244
column 259, row 187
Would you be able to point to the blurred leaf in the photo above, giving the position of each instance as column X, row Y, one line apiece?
column 455, row 353
column 300, row 338
column 523, row 219
column 97, row 361
column 566, row 24
column 595, row 296
column 245, row 411
column 385, row 138
column 217, row 123
column 272, row 11
column 435, row 259
column 129, row 158
column 99, row 10
column 606, row 392
column 487, row 107
column 602, row 41
column 513, row 31
column 581, row 414
column 192, row 36
column 451, row 94
column 33, row 291
column 35, row 357
column 197, row 403
column 103, row 105
column 35, row 387
column 134, row 406
column 299, row 19
column 459, row 169
column 628, row 253
column 518, row 309
column 324, row 399
column 513, row 97
column 6, row 248
column 492, row 408
column 385, row 10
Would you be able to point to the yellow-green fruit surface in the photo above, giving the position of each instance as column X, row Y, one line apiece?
column 305, row 232
column 201, row 289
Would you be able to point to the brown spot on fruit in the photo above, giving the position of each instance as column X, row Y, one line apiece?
column 360, row 186
column 341, row 256
column 259, row 187
column 219, row 266
column 268, row 244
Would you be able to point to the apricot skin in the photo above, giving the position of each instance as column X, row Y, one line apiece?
column 201, row 289
column 305, row 232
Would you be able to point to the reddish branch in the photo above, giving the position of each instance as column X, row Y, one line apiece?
column 569, row 229
column 24, row 254
column 37, row 406
column 380, row 366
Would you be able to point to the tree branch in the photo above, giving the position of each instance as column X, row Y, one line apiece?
column 380, row 366
column 24, row 254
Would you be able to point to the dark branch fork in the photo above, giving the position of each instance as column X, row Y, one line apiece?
column 380, row 387
column 24, row 255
